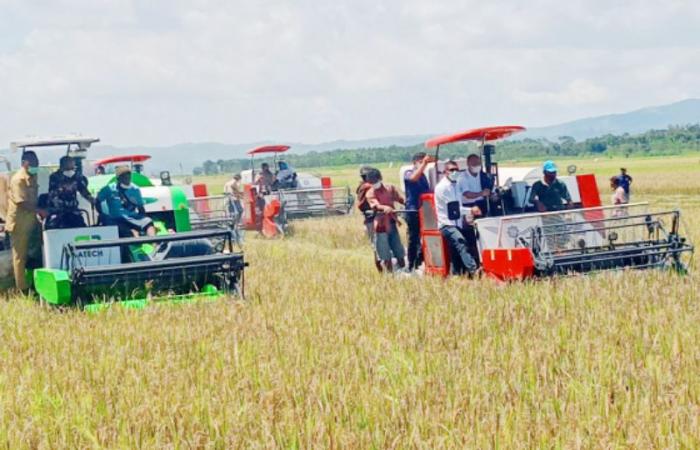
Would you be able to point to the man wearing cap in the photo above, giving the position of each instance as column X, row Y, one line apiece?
column 22, row 223
column 366, row 210
column 64, row 186
column 121, row 204
column 415, row 185
column 550, row 194
column 382, row 198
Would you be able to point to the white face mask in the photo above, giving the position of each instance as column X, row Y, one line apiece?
column 69, row 173
column 474, row 169
column 452, row 176
column 377, row 185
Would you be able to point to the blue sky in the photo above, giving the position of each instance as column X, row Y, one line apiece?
column 161, row 72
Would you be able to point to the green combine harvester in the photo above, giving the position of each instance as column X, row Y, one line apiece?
column 94, row 268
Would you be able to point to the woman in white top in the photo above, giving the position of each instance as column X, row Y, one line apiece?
column 619, row 196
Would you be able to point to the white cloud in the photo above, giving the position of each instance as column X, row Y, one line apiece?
column 161, row 72
column 576, row 93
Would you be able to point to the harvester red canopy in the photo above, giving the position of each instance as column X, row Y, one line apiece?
column 121, row 159
column 477, row 134
column 269, row 149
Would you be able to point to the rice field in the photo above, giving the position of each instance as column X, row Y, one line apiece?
column 326, row 353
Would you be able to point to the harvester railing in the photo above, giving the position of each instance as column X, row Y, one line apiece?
column 315, row 202
column 636, row 241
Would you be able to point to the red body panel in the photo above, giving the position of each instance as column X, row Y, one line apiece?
column 200, row 190
column 327, row 194
column 508, row 263
column 435, row 251
column 590, row 197
column 588, row 189
column 249, row 214
column 272, row 209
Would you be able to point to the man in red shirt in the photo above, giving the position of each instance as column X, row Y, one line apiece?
column 366, row 210
column 387, row 241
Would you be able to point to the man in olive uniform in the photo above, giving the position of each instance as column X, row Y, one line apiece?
column 22, row 223
column 64, row 186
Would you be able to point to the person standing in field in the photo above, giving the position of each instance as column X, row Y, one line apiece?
column 22, row 222
column 448, row 205
column 619, row 196
column 625, row 181
column 233, row 190
column 366, row 210
column 416, row 184
column 387, row 241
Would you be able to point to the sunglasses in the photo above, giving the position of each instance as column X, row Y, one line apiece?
column 452, row 170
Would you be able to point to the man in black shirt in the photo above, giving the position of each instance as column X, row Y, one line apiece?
column 550, row 194
column 64, row 186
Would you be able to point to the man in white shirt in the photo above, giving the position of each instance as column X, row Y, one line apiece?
column 448, row 204
column 232, row 188
column 475, row 186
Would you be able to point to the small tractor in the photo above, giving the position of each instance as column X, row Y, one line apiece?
column 93, row 267
column 517, row 242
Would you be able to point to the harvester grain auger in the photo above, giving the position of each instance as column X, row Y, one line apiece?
column 172, row 268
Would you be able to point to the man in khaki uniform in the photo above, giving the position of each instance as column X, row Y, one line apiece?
column 22, row 223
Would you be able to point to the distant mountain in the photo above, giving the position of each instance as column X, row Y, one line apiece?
column 685, row 112
column 185, row 157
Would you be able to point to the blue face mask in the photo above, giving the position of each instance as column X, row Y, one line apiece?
column 32, row 170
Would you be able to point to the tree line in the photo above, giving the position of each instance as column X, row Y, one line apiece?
column 672, row 141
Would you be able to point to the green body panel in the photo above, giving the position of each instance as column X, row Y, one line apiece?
column 53, row 286
column 181, row 209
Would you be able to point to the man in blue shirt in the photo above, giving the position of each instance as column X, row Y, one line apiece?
column 415, row 185
column 624, row 182
column 121, row 204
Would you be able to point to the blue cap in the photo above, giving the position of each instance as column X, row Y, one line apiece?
column 549, row 166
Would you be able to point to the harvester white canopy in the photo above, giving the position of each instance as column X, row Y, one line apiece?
column 83, row 142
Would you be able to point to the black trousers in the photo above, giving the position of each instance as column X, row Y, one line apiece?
column 414, row 252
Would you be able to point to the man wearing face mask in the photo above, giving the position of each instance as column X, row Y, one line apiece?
column 415, row 185
column 121, row 204
column 550, row 194
column 22, row 223
column 387, row 241
column 451, row 219
column 475, row 186
column 64, row 186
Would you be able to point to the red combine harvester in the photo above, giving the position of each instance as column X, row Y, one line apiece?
column 291, row 196
column 517, row 242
